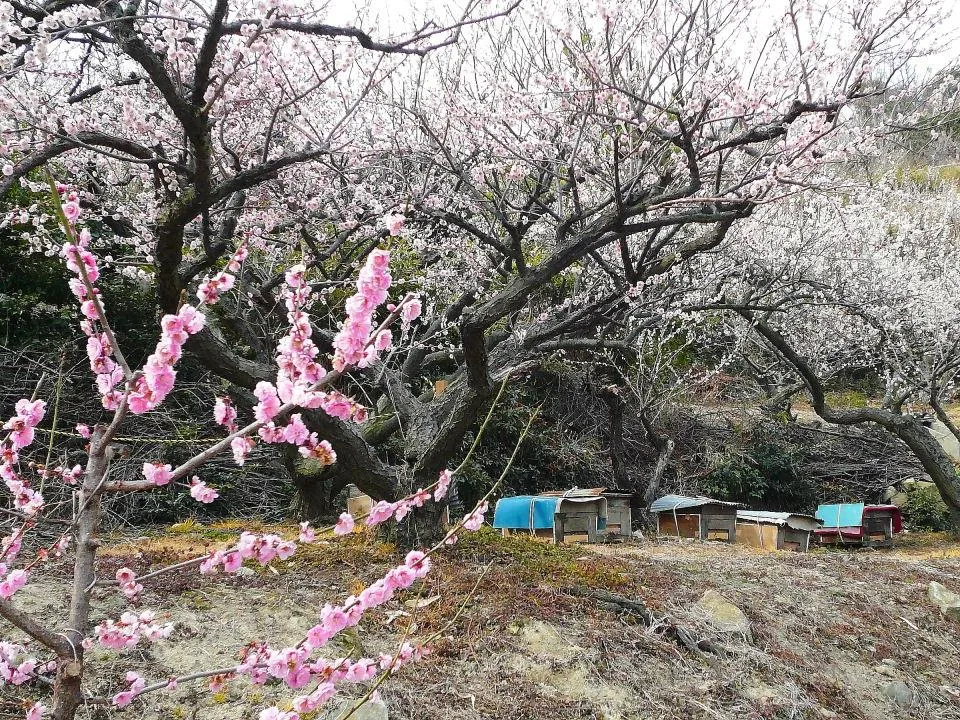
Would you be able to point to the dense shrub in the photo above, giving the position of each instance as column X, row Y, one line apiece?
column 925, row 509
column 36, row 305
column 764, row 476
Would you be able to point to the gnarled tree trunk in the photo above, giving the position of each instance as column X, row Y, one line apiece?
column 910, row 430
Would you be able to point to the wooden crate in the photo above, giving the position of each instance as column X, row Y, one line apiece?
column 619, row 514
column 706, row 522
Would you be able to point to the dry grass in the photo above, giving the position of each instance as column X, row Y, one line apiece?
column 829, row 628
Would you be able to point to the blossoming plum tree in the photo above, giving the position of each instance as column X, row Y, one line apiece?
column 889, row 306
column 586, row 155
column 301, row 382
column 550, row 186
column 546, row 181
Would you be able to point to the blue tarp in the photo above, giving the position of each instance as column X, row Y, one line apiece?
column 514, row 513
column 837, row 516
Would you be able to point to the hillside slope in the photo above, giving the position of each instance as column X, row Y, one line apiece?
column 832, row 634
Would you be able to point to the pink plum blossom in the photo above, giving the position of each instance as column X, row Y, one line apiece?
column 71, row 210
column 200, row 492
column 157, row 473
column 411, row 310
column 443, row 484
column 394, row 223
column 307, row 533
column 344, row 524
column 474, row 520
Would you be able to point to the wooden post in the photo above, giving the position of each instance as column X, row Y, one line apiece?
column 558, row 521
column 592, row 530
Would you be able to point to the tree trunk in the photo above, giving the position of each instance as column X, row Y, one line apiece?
column 357, row 463
column 422, row 528
column 616, row 406
column 313, row 498
column 67, row 692
column 935, row 461
column 664, row 447
column 954, row 521
column 652, row 490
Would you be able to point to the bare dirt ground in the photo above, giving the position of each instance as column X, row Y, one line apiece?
column 834, row 634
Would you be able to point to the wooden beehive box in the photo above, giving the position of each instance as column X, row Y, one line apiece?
column 775, row 530
column 696, row 517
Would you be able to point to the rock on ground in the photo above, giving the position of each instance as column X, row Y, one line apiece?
column 724, row 615
column 946, row 600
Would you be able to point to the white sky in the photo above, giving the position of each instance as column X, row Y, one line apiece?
column 386, row 16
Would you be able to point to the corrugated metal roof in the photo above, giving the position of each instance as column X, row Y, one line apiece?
column 794, row 520
column 680, row 502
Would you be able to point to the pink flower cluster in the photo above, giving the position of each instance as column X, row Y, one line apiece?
column 211, row 288
column 383, row 510
column 16, row 667
column 299, row 372
column 11, row 545
column 128, row 583
column 21, row 434
column 239, row 255
column 394, row 222
column 352, row 344
column 472, row 521
column 156, row 379
column 69, row 477
column 130, row 628
column 201, row 492
column 156, row 473
column 443, row 484
column 225, row 414
column 298, row 369
column 345, row 524
column 411, row 310
column 71, row 208
column 275, row 713
column 12, row 583
column 293, row 665
column 330, row 672
column 296, row 667
column 29, row 414
column 241, row 447
column 307, row 534
column 104, row 368
column 262, row 548
column 406, row 654
column 83, row 264
column 135, row 686
column 333, row 619
column 322, row 452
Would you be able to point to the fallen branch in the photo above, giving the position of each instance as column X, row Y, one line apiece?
column 663, row 625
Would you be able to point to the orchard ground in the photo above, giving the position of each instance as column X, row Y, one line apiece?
column 833, row 633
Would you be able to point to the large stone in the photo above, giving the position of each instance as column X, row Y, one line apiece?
column 947, row 600
column 899, row 692
column 374, row 709
column 723, row 614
